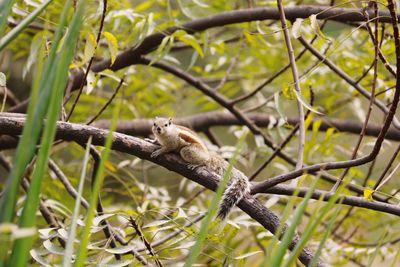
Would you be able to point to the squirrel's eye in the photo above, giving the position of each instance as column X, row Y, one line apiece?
column 154, row 124
column 169, row 123
column 166, row 125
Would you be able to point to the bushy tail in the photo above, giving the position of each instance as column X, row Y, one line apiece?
column 237, row 187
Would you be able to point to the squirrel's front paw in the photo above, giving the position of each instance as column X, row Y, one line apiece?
column 156, row 153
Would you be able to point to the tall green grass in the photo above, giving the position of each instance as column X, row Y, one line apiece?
column 45, row 102
column 278, row 254
column 290, row 232
column 38, row 106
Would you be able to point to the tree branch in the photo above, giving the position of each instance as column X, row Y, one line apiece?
column 326, row 196
column 381, row 137
column 133, row 54
column 203, row 121
column 142, row 149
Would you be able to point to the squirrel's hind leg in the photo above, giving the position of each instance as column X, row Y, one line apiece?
column 195, row 155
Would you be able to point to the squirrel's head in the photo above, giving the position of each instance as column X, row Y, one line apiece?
column 162, row 125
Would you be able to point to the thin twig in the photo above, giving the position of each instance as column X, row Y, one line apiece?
column 377, row 146
column 371, row 101
column 348, row 79
column 281, row 145
column 145, row 242
column 230, row 68
column 387, row 168
column 88, row 68
column 300, row 110
column 121, row 82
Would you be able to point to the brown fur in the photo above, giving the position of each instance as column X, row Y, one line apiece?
column 191, row 138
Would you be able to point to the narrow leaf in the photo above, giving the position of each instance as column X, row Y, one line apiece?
column 90, row 47
column 316, row 28
column 305, row 104
column 246, row 255
column 69, row 248
column 112, row 45
column 296, row 29
column 188, row 39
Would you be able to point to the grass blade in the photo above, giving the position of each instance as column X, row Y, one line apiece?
column 69, row 248
column 286, row 213
column 11, row 35
column 5, row 7
column 290, row 232
column 324, row 238
column 38, row 105
column 82, row 253
column 377, row 249
column 20, row 251
column 311, row 227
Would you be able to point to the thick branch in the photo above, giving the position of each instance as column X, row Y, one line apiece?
column 142, row 127
column 143, row 149
column 203, row 121
column 132, row 55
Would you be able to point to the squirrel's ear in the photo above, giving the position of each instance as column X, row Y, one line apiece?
column 156, row 118
column 170, row 119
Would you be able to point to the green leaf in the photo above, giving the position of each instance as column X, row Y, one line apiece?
column 278, row 107
column 305, row 104
column 200, row 3
column 219, row 47
column 5, row 7
column 188, row 39
column 163, row 48
column 288, row 92
column 112, row 45
column 246, row 255
column 90, row 47
column 144, row 6
column 36, row 44
column 250, row 38
column 296, row 29
column 316, row 28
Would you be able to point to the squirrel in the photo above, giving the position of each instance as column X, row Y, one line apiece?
column 176, row 138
